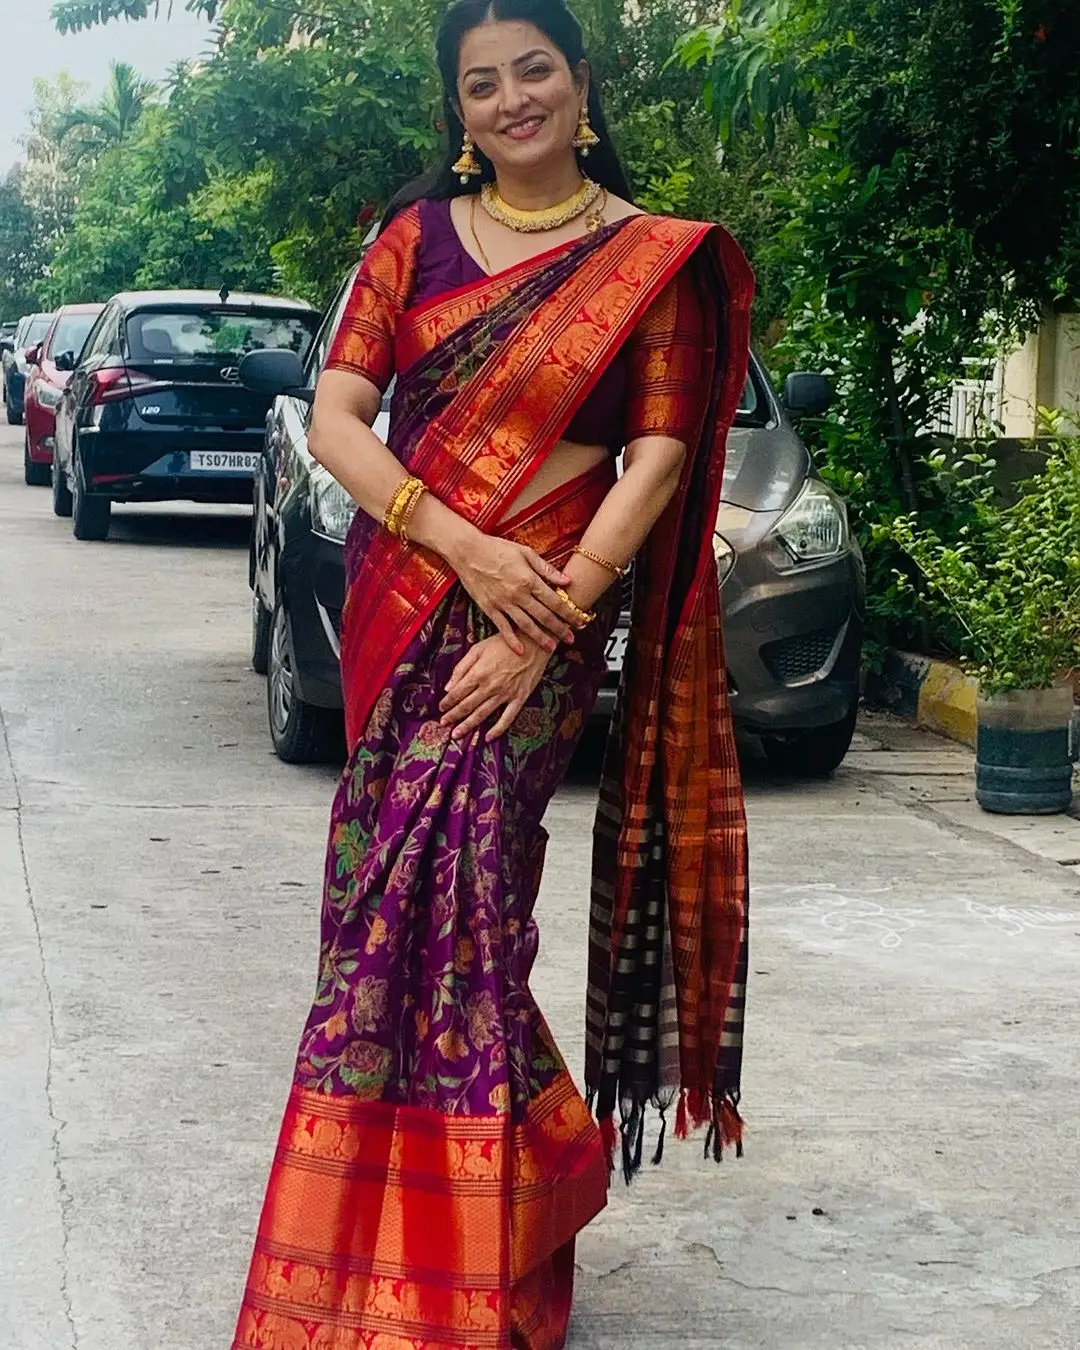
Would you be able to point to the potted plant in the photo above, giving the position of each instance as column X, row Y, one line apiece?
column 1010, row 592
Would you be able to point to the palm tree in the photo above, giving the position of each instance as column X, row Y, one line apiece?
column 113, row 118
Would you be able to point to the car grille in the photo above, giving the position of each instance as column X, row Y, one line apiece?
column 798, row 658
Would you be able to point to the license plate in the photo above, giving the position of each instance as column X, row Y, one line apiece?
column 616, row 648
column 224, row 461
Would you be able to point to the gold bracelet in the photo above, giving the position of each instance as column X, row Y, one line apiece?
column 393, row 506
column 583, row 616
column 399, row 502
column 407, row 511
column 606, row 563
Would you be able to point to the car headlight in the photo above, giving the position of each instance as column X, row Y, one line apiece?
column 332, row 509
column 724, row 555
column 813, row 528
column 47, row 394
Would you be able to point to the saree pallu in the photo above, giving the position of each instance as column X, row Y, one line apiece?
column 436, row 1160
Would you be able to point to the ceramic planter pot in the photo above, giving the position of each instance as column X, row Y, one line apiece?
column 1022, row 761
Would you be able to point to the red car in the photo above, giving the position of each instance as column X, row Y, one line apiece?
column 49, row 367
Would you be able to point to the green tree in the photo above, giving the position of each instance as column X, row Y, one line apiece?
column 21, row 248
column 72, row 16
column 116, row 114
column 928, row 219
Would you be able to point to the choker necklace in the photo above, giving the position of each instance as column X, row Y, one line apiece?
column 549, row 217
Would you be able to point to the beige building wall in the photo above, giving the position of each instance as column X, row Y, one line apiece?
column 1044, row 372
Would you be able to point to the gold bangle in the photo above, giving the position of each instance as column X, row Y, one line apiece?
column 399, row 502
column 605, row 563
column 407, row 512
column 393, row 506
column 583, row 616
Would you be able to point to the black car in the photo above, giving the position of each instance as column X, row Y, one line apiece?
column 790, row 573
column 155, row 411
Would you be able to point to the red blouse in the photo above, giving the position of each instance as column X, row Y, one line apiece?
column 646, row 390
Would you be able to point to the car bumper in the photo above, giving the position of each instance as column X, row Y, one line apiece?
column 40, row 431
column 792, row 643
column 312, row 572
column 15, row 382
column 156, row 466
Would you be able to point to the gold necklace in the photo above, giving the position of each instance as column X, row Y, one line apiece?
column 548, row 217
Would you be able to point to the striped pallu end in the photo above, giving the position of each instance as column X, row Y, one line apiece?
column 668, row 933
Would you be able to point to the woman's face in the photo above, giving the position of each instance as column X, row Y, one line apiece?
column 519, row 99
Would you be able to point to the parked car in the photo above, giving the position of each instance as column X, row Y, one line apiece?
column 155, row 410
column 49, row 367
column 29, row 331
column 791, row 576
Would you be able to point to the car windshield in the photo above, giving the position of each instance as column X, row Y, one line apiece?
column 195, row 335
column 36, row 329
column 71, row 333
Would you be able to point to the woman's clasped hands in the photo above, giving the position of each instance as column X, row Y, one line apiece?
column 515, row 588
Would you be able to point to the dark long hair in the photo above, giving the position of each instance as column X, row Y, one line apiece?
column 560, row 26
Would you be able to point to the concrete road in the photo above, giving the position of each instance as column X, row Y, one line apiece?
column 912, row 1174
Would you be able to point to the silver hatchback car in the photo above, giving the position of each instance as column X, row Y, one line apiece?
column 792, row 587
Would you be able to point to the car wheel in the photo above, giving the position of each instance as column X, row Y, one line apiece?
column 261, row 619
column 61, row 493
column 14, row 416
column 89, row 513
column 301, row 733
column 812, row 754
column 35, row 475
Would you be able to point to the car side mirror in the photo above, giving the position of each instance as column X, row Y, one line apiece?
column 7, row 344
column 275, row 371
column 65, row 361
column 807, row 395
column 30, row 356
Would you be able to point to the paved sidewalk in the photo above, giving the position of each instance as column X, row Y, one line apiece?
column 911, row 1048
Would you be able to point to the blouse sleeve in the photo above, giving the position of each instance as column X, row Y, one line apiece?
column 364, row 342
column 666, row 355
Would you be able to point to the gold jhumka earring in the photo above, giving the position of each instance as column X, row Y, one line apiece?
column 466, row 166
column 584, row 138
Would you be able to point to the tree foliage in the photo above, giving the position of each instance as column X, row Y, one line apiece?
column 72, row 16
column 116, row 114
column 928, row 215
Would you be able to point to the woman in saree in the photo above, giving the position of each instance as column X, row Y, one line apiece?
column 436, row 1159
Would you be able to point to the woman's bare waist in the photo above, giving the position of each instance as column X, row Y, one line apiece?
column 566, row 461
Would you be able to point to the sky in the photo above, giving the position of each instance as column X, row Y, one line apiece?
column 30, row 47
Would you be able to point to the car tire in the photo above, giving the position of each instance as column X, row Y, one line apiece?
column 261, row 619
column 61, row 493
column 14, row 416
column 34, row 475
column 301, row 733
column 812, row 754
column 89, row 513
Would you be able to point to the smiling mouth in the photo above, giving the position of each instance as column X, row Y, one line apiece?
column 523, row 130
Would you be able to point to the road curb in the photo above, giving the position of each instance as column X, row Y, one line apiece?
column 933, row 694
column 936, row 695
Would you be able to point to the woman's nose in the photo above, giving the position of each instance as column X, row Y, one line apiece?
column 515, row 97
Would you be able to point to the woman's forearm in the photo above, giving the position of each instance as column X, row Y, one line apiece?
column 371, row 473
column 627, row 514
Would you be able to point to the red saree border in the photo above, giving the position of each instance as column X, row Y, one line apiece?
column 501, row 424
column 392, row 1221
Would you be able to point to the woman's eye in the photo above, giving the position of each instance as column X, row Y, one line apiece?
column 481, row 89
column 537, row 72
